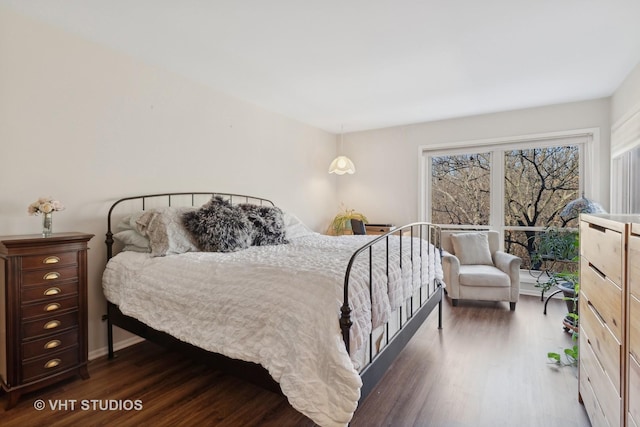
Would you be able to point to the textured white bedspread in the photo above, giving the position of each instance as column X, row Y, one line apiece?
column 277, row 306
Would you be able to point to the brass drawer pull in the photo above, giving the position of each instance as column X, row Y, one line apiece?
column 51, row 260
column 52, row 307
column 52, row 363
column 52, row 344
column 51, row 276
column 52, row 324
column 52, row 291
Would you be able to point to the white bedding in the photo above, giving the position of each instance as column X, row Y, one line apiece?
column 277, row 306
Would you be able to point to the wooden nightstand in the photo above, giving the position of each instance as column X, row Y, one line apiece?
column 43, row 311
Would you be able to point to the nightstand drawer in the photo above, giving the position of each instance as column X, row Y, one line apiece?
column 49, row 260
column 49, row 325
column 50, row 364
column 48, row 292
column 603, row 343
column 609, row 296
column 605, row 250
column 49, row 307
column 52, row 275
column 52, row 344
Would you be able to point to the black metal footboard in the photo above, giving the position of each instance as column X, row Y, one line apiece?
column 412, row 314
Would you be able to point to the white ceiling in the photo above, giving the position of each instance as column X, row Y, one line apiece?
column 368, row 64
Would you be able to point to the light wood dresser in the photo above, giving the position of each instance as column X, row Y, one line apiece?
column 43, row 311
column 633, row 279
column 607, row 354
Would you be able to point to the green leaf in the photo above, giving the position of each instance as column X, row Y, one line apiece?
column 554, row 356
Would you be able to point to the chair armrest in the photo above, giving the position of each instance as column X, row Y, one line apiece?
column 508, row 263
column 451, row 271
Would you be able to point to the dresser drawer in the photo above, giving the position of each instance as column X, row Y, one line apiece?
column 609, row 401
column 634, row 326
column 49, row 260
column 48, row 345
column 604, row 344
column 634, row 261
column 50, row 364
column 605, row 296
column 634, row 389
column 591, row 404
column 49, row 307
column 51, row 276
column 603, row 248
column 49, row 325
column 48, row 292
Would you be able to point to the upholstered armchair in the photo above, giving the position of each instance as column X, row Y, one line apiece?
column 475, row 269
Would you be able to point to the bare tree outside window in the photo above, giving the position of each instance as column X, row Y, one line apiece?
column 461, row 189
column 539, row 182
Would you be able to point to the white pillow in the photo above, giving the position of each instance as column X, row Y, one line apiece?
column 166, row 232
column 472, row 248
column 133, row 241
column 293, row 227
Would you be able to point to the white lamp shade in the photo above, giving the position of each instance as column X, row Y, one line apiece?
column 342, row 165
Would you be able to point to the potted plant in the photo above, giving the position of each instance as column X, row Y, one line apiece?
column 570, row 288
column 341, row 223
column 555, row 245
column 561, row 245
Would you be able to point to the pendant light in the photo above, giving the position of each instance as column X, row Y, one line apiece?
column 342, row 164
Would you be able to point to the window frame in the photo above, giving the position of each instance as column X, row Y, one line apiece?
column 587, row 140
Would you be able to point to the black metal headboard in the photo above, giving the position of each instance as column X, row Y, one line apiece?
column 195, row 198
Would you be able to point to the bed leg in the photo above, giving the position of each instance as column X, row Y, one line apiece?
column 109, row 332
column 440, row 312
column 110, row 339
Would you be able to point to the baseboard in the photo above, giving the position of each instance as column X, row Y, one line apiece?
column 103, row 351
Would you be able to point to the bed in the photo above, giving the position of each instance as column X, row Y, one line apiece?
column 317, row 318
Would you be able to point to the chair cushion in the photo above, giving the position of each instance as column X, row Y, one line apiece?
column 483, row 276
column 471, row 248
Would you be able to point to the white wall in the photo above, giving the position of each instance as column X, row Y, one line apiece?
column 88, row 125
column 385, row 187
column 627, row 97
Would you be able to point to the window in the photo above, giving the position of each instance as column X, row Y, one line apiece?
column 518, row 188
column 625, row 163
column 626, row 182
column 461, row 189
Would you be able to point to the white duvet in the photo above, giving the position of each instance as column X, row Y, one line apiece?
column 277, row 306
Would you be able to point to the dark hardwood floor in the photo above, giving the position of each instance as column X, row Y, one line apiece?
column 487, row 367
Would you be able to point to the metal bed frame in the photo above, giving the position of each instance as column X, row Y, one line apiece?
column 410, row 316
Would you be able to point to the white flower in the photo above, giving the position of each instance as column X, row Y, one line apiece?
column 44, row 205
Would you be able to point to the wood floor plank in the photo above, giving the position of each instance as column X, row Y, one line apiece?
column 487, row 367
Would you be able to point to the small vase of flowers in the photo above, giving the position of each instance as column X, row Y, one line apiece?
column 45, row 206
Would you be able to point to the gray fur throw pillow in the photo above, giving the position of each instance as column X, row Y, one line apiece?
column 219, row 226
column 268, row 224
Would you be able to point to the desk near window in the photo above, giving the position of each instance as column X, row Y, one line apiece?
column 376, row 229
